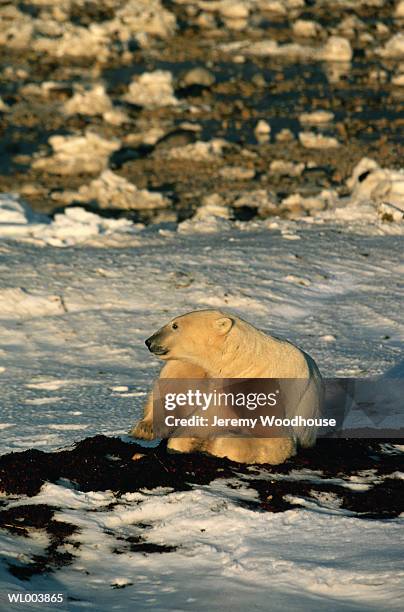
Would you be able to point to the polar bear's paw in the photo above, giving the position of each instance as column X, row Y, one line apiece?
column 143, row 430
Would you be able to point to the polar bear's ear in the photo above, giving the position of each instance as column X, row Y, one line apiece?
column 224, row 325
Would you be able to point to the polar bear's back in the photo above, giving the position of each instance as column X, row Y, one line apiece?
column 311, row 403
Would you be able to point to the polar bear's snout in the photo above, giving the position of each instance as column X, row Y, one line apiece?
column 154, row 344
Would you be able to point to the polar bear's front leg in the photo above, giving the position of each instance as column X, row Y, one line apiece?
column 143, row 429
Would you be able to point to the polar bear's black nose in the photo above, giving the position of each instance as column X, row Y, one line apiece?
column 154, row 344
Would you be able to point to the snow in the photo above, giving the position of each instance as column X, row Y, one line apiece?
column 375, row 204
column 74, row 320
column 222, row 548
column 73, row 364
column 369, row 182
column 73, row 226
column 112, row 191
column 77, row 154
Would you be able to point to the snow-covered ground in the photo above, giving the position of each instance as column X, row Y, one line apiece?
column 73, row 364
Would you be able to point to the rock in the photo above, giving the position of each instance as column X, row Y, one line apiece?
column 112, row 191
column 213, row 216
column 286, row 168
column 190, row 127
column 32, row 190
column 197, row 151
column 350, row 26
column 236, row 24
column 309, row 140
column 378, row 75
column 212, row 205
column 46, row 89
column 206, row 21
column 325, row 200
column 398, row 80
column 55, row 34
column 16, row 29
column 382, row 29
column 77, row 154
column 306, row 29
column 136, row 18
column 152, row 90
column 336, row 49
column 3, row 106
column 147, row 137
column 399, row 11
column 115, row 116
column 390, row 213
column 92, row 102
column 234, row 10
column 228, row 9
column 262, row 127
column 394, row 48
column 284, row 135
column 276, row 6
column 294, row 4
column 237, row 173
column 264, row 201
column 262, row 131
column 259, row 81
column 198, row 76
column 316, row 117
column 76, row 41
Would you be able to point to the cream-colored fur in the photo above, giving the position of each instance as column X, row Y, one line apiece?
column 213, row 344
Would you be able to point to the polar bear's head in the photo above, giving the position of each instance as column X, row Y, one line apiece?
column 190, row 336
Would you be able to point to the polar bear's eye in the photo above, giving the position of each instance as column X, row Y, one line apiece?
column 174, row 326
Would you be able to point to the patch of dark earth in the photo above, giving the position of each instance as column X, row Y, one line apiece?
column 320, row 477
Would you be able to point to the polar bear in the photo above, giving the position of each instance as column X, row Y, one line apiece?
column 215, row 344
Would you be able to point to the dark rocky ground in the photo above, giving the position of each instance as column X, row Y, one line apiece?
column 368, row 107
column 101, row 464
